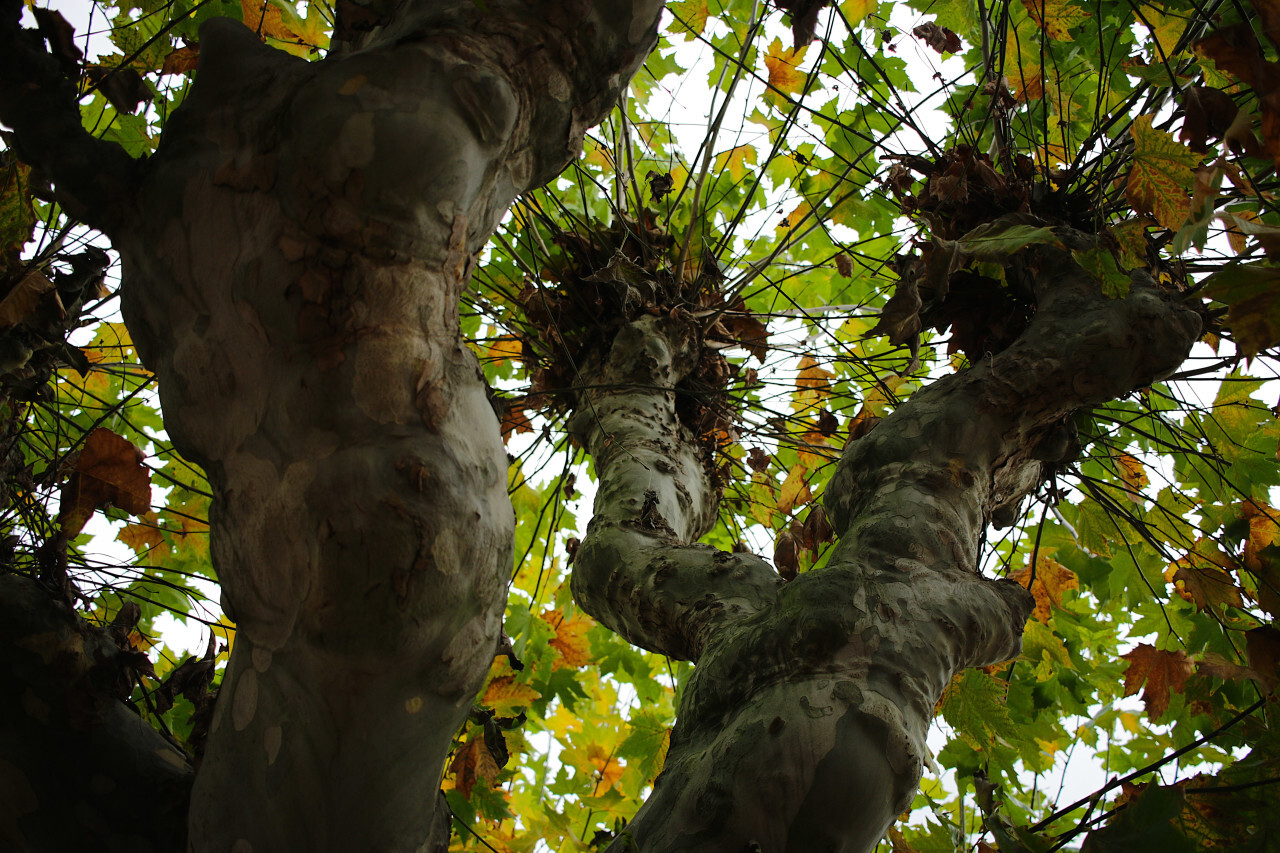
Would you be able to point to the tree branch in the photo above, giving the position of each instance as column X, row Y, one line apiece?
column 94, row 180
column 636, row 570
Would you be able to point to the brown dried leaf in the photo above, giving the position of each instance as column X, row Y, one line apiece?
column 182, row 60
column 941, row 39
column 108, row 472
column 786, row 555
column 1158, row 674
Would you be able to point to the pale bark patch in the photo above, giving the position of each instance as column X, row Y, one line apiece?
column 245, row 702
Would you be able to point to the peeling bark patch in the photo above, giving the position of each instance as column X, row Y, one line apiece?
column 261, row 659
column 353, row 85
column 413, row 706
column 245, row 702
column 271, row 740
column 242, row 845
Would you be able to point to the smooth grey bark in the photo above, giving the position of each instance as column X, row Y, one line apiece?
column 803, row 727
column 293, row 259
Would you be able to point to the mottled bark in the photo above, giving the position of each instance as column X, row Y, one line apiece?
column 293, row 256
column 803, row 726
column 74, row 759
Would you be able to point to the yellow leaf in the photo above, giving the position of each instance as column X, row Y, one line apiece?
column 608, row 768
column 688, row 17
column 505, row 696
column 812, row 375
column 783, row 64
column 144, row 536
column 1022, row 64
column 856, row 11
column 1263, row 531
column 1133, row 475
column 1057, row 17
column 735, row 161
column 570, row 642
column 1166, row 29
column 1050, row 581
column 265, row 19
column 506, row 348
column 795, row 491
column 1161, row 178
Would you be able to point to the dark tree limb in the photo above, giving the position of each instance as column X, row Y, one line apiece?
column 94, row 180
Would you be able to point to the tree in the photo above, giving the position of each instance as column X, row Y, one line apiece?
column 306, row 260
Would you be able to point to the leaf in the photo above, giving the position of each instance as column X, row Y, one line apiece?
column 812, row 376
column 783, row 65
column 1157, row 673
column 505, row 696
column 795, row 490
column 1051, row 580
column 17, row 217
column 1101, row 266
column 21, row 302
column 506, row 348
column 786, row 555
column 265, row 19
column 688, row 17
column 573, row 651
column 1056, row 17
column 941, row 39
column 1148, row 822
column 1161, row 179
column 181, row 60
column 472, row 763
column 143, row 536
column 1251, row 293
column 1132, row 474
column 856, row 11
column 1262, row 649
column 1208, row 586
column 735, row 160
column 108, row 472
column 997, row 240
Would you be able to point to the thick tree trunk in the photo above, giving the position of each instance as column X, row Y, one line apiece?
column 803, row 726
column 294, row 255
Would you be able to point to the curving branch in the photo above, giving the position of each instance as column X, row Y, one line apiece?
column 94, row 180
column 637, row 569
column 803, row 727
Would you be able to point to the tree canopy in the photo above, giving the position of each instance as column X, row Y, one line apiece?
column 842, row 192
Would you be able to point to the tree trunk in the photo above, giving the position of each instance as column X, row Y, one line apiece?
column 294, row 255
column 803, row 726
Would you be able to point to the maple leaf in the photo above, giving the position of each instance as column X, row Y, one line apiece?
column 506, row 348
column 1263, row 531
column 1051, row 580
column 812, row 376
column 783, row 65
column 17, row 216
column 181, row 60
column 689, row 17
column 1133, row 475
column 472, row 763
column 505, row 696
column 1251, row 293
column 143, row 536
column 570, row 642
column 108, row 472
column 795, row 490
column 265, row 19
column 1157, row 673
column 1056, row 17
column 1162, row 176
column 1208, row 586
column 608, row 768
